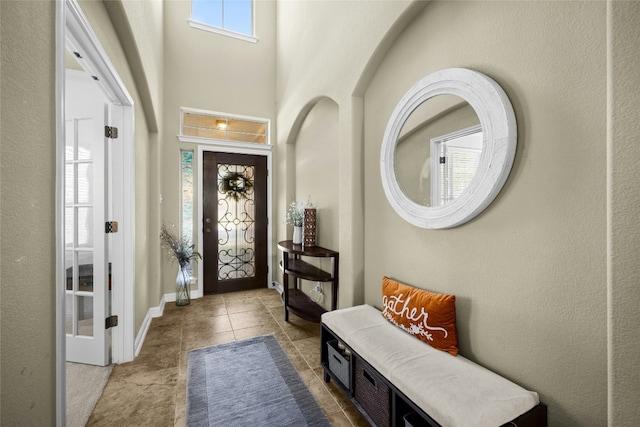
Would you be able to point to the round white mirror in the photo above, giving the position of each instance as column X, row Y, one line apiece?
column 448, row 148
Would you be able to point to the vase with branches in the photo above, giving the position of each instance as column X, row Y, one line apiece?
column 183, row 251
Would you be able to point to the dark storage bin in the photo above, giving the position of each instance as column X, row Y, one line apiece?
column 414, row 420
column 373, row 394
column 338, row 364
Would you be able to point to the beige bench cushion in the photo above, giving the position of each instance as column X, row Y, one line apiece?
column 453, row 390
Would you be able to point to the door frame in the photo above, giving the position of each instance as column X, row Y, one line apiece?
column 73, row 28
column 237, row 148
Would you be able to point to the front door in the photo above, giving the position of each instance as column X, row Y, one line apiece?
column 234, row 222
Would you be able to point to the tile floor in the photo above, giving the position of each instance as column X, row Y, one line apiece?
column 151, row 390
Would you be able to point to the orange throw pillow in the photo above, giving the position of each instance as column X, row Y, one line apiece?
column 428, row 316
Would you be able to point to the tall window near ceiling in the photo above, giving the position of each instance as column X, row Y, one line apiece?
column 232, row 18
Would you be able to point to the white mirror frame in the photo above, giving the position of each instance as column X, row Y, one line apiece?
column 498, row 123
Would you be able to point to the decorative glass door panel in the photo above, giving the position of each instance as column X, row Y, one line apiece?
column 235, row 222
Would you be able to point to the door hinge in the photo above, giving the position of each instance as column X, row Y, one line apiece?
column 111, row 227
column 110, row 322
column 443, row 160
column 110, row 132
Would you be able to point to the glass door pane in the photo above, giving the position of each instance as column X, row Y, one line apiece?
column 79, row 227
column 236, row 222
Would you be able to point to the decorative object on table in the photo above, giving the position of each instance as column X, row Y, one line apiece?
column 250, row 383
column 309, row 226
column 235, row 185
column 183, row 251
column 297, row 235
column 295, row 218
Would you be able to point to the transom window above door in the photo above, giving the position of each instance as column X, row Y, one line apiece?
column 221, row 127
column 233, row 18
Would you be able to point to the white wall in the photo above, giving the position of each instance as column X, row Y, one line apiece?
column 529, row 273
column 623, row 212
column 27, row 220
column 140, row 27
column 316, row 166
column 532, row 295
column 324, row 49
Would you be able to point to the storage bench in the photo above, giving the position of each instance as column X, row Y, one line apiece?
column 395, row 379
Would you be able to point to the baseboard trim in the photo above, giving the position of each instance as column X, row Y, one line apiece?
column 153, row 312
column 277, row 286
column 172, row 296
column 157, row 311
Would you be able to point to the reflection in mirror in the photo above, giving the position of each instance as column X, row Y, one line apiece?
column 438, row 150
column 456, row 160
column 441, row 205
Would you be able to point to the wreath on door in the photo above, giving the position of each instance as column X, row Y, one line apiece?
column 236, row 186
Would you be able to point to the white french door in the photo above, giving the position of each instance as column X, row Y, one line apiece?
column 86, row 243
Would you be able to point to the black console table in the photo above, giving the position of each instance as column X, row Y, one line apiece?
column 292, row 265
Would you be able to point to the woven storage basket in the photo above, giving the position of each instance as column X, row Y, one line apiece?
column 373, row 394
column 414, row 420
column 338, row 364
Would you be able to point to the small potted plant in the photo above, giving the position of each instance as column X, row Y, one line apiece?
column 183, row 251
column 295, row 218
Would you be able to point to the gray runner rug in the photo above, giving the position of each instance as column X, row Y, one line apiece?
column 248, row 383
